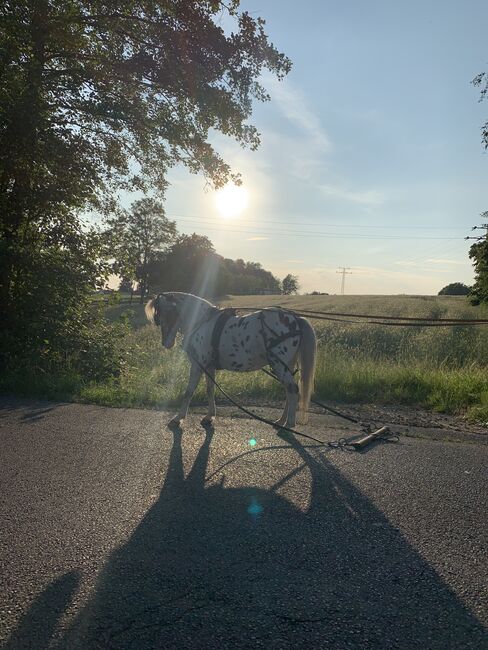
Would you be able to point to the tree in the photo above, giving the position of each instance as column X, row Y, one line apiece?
column 97, row 97
column 126, row 286
column 454, row 289
column 481, row 81
column 239, row 277
column 479, row 254
column 139, row 237
column 290, row 284
column 191, row 264
column 479, row 251
column 184, row 266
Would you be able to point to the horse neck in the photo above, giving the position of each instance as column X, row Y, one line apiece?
column 194, row 310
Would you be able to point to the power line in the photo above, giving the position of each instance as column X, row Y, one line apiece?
column 317, row 223
column 442, row 249
column 313, row 233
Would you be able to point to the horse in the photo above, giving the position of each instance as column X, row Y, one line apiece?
column 216, row 338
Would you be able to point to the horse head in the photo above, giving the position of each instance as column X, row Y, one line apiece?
column 164, row 312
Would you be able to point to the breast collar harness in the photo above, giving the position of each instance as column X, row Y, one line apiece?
column 222, row 318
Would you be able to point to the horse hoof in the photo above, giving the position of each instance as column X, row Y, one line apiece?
column 175, row 422
column 207, row 421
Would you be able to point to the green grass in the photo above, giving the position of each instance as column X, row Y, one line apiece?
column 444, row 369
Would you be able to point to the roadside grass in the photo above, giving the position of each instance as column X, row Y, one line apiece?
column 444, row 369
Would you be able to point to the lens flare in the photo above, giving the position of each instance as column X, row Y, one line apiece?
column 254, row 508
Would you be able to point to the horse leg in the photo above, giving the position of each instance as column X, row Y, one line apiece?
column 195, row 374
column 281, row 421
column 286, row 377
column 208, row 419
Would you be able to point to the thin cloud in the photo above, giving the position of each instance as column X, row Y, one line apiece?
column 295, row 108
column 445, row 261
column 426, row 265
column 407, row 263
column 370, row 198
column 256, row 238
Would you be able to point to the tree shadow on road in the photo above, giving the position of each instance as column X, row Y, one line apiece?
column 217, row 567
column 33, row 409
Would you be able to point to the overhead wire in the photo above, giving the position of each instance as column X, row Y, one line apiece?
column 308, row 234
column 317, row 223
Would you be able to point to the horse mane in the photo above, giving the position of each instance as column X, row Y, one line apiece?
column 150, row 310
column 179, row 298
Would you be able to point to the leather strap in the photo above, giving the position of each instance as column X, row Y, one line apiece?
column 222, row 319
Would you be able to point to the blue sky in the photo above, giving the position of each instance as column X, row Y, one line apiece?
column 371, row 154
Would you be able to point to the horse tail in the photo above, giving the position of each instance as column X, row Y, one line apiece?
column 307, row 358
column 150, row 310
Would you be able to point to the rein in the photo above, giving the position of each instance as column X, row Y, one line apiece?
column 342, row 443
column 339, row 443
column 295, row 330
column 389, row 321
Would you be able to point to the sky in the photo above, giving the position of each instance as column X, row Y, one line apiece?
column 371, row 155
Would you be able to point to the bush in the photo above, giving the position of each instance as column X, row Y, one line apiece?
column 51, row 325
column 455, row 289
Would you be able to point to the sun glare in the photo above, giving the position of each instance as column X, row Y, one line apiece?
column 231, row 200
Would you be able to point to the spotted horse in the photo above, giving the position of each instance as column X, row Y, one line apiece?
column 215, row 339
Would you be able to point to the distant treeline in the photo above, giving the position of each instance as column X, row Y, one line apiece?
column 192, row 265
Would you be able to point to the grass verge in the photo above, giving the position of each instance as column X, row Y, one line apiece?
column 441, row 369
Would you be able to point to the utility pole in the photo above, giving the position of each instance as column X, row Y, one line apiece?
column 344, row 270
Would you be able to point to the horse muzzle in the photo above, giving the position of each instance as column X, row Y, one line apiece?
column 168, row 341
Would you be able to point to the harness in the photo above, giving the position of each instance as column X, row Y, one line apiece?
column 271, row 343
column 222, row 318
column 220, row 323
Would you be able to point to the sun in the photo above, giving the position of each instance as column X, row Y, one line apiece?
column 231, row 200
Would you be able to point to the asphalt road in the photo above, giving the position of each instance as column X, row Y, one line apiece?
column 117, row 533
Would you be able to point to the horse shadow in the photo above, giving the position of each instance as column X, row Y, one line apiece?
column 212, row 567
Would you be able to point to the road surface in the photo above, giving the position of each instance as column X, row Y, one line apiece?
column 117, row 533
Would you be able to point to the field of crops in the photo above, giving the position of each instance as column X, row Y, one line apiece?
column 445, row 369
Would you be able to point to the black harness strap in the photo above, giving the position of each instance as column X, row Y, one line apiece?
column 269, row 345
column 217, row 333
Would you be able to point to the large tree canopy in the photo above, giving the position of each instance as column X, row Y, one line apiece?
column 97, row 96
column 101, row 96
